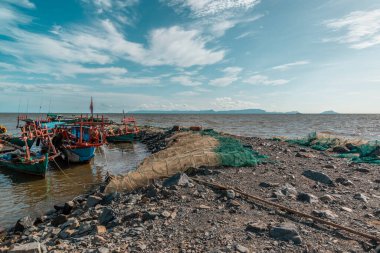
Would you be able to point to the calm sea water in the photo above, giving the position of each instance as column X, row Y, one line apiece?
column 21, row 195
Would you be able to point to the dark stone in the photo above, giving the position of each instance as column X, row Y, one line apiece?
column 341, row 150
column 180, row 179
column 306, row 197
column 265, row 185
column 132, row 216
column 257, row 227
column 286, row 232
column 109, row 198
column 38, row 220
column 68, row 207
column 93, row 200
column 106, row 216
column 363, row 170
column 318, row 176
column 150, row 216
column 58, row 207
column 23, row 223
column 343, row 181
column 152, row 191
column 60, row 219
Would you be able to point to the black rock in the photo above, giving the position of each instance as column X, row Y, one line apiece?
column 180, row 179
column 341, row 150
column 343, row 181
column 150, row 216
column 23, row 223
column 286, row 232
column 109, row 198
column 152, row 191
column 318, row 176
column 306, row 197
column 58, row 207
column 106, row 216
column 68, row 207
column 60, row 219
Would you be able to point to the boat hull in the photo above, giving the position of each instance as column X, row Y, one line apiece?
column 121, row 138
column 79, row 155
column 19, row 142
column 37, row 169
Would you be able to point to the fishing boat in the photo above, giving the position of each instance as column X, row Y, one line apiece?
column 125, row 132
column 21, row 159
column 79, row 141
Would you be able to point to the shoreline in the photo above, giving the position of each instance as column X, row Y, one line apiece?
column 189, row 217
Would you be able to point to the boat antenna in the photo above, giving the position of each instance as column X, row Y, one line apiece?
column 92, row 108
column 18, row 112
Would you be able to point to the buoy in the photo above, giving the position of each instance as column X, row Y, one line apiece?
column 3, row 129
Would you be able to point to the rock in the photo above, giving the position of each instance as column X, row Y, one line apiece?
column 58, row 207
column 150, row 215
column 103, row 250
column 362, row 197
column 363, row 170
column 326, row 198
column 377, row 213
column 267, row 185
column 106, row 216
column 230, row 194
column 100, row 229
column 66, row 233
column 23, row 223
column 330, row 166
column 343, row 181
column 204, row 207
column 70, row 223
column 152, row 191
column 241, row 248
column 85, row 227
column 179, row 179
column 286, row 232
column 93, row 200
column 324, row 214
column 346, row 209
column 33, row 247
column 60, row 219
column 165, row 214
column 288, row 189
column 341, row 150
column 109, row 198
column 306, row 197
column 305, row 155
column 68, row 207
column 257, row 227
column 318, row 177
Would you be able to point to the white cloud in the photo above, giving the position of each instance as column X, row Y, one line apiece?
column 230, row 76
column 118, row 10
column 187, row 93
column 179, row 47
column 243, row 35
column 131, row 81
column 290, row 65
column 361, row 29
column 55, row 88
column 74, row 69
column 200, row 8
column 185, row 81
column 228, row 103
column 264, row 80
column 223, row 81
column 21, row 3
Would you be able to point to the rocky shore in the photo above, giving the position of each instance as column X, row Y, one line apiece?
column 180, row 215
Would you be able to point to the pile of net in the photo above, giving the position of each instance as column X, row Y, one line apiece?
column 358, row 150
column 186, row 150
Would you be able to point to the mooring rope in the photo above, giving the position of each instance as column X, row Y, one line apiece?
column 290, row 210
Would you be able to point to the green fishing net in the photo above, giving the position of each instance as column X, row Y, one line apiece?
column 233, row 153
column 365, row 153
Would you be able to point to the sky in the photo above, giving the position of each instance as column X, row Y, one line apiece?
column 277, row 55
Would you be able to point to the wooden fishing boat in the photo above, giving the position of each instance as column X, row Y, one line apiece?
column 125, row 132
column 19, row 141
column 35, row 165
column 80, row 140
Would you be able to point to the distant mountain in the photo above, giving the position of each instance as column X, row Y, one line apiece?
column 244, row 111
column 329, row 112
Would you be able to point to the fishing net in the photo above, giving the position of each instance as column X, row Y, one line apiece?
column 358, row 150
column 186, row 150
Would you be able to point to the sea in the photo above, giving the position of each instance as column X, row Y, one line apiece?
column 23, row 195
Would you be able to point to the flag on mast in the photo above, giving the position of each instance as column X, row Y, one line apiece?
column 92, row 108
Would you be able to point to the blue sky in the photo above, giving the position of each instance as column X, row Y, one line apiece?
column 278, row 55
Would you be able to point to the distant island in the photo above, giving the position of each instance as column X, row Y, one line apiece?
column 329, row 112
column 243, row 111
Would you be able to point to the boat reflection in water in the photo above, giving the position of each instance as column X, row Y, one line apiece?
column 27, row 195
